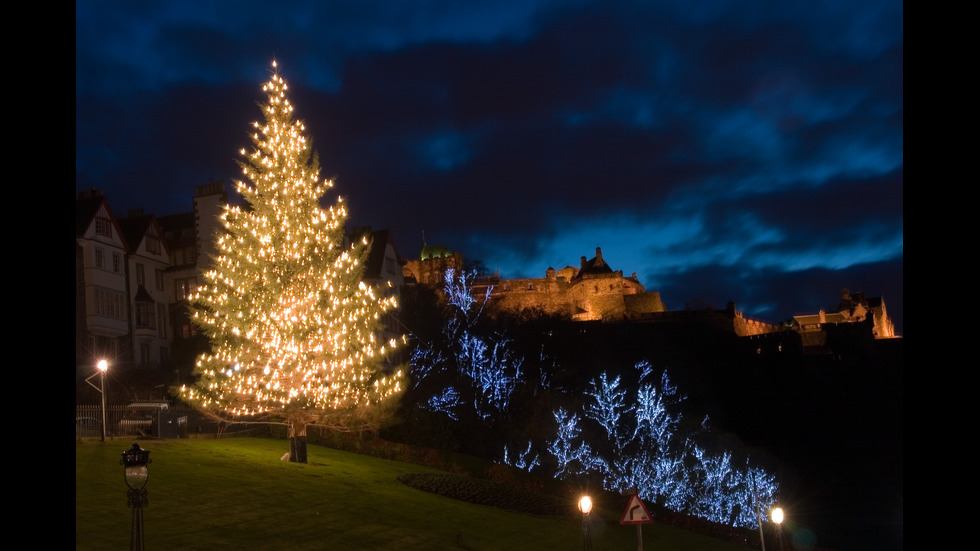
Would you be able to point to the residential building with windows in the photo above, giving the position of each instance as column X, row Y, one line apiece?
column 102, row 323
column 136, row 275
column 147, row 263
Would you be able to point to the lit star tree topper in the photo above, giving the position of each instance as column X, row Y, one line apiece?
column 294, row 330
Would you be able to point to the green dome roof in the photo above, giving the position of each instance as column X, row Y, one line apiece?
column 434, row 251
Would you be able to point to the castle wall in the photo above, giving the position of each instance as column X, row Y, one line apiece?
column 593, row 297
column 547, row 294
column 745, row 326
column 598, row 297
column 645, row 302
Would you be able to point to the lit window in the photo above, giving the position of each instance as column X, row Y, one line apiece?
column 184, row 288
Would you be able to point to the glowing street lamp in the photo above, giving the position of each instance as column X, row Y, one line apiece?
column 103, row 366
column 135, row 461
column 585, row 505
column 777, row 515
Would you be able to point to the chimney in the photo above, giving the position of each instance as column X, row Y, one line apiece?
column 90, row 193
column 598, row 257
column 583, row 262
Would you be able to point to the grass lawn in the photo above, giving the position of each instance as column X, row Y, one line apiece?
column 235, row 493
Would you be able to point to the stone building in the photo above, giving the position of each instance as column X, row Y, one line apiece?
column 853, row 308
column 431, row 265
column 593, row 291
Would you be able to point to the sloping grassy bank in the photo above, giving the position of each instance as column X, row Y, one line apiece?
column 235, row 493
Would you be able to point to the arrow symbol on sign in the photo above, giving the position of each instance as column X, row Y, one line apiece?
column 632, row 509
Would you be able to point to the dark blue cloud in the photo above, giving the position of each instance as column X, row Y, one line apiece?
column 720, row 149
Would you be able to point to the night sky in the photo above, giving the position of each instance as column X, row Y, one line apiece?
column 721, row 149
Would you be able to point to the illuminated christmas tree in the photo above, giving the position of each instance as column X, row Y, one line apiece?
column 294, row 331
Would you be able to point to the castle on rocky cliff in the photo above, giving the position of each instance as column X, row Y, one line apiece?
column 591, row 292
column 596, row 292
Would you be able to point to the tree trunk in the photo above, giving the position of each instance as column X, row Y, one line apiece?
column 297, row 442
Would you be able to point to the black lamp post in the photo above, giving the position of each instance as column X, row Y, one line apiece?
column 102, row 365
column 585, row 505
column 135, row 460
column 778, row 517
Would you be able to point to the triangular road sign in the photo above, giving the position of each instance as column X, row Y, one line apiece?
column 636, row 512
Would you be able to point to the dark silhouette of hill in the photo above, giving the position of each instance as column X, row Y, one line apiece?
column 832, row 420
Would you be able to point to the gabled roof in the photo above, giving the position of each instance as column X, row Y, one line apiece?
column 87, row 206
column 177, row 225
column 142, row 295
column 595, row 266
column 85, row 210
column 135, row 228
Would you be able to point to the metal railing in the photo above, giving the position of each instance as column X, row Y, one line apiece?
column 127, row 421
